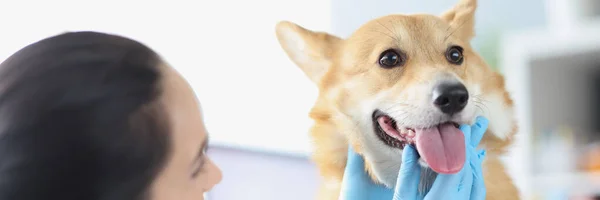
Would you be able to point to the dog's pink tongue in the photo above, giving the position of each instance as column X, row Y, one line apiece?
column 442, row 147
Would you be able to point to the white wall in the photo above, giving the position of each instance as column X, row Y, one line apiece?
column 348, row 15
column 253, row 96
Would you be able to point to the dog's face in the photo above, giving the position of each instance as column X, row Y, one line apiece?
column 404, row 79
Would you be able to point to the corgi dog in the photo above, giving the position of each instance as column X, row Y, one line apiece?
column 397, row 80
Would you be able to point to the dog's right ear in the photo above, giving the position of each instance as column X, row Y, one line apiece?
column 311, row 51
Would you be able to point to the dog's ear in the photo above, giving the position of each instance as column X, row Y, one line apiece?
column 462, row 19
column 311, row 51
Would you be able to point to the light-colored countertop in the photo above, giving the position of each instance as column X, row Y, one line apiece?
column 299, row 147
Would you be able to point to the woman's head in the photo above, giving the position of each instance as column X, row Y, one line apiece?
column 88, row 115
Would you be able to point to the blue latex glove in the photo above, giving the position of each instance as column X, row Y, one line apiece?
column 466, row 184
column 357, row 185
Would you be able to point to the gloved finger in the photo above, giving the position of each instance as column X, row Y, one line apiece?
column 481, row 156
column 477, row 164
column 355, row 178
column 466, row 172
column 408, row 177
column 466, row 129
column 478, row 130
column 466, row 185
column 445, row 182
column 443, row 186
column 478, row 190
column 355, row 163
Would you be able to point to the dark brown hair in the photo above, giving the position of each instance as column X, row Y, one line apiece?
column 81, row 119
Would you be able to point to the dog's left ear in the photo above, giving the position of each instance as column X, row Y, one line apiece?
column 462, row 19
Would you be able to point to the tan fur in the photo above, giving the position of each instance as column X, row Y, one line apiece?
column 350, row 82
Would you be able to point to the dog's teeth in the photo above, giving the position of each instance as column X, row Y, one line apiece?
column 410, row 133
column 403, row 131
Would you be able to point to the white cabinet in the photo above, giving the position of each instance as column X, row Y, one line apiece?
column 550, row 74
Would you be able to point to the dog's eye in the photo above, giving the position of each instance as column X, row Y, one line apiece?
column 454, row 55
column 390, row 58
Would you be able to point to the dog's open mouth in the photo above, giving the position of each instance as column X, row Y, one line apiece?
column 442, row 146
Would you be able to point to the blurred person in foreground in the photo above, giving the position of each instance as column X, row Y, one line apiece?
column 87, row 115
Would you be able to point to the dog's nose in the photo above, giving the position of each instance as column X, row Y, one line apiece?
column 450, row 98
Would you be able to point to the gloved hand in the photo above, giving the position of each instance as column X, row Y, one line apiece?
column 357, row 185
column 466, row 184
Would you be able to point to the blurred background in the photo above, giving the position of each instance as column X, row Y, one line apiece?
column 549, row 51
